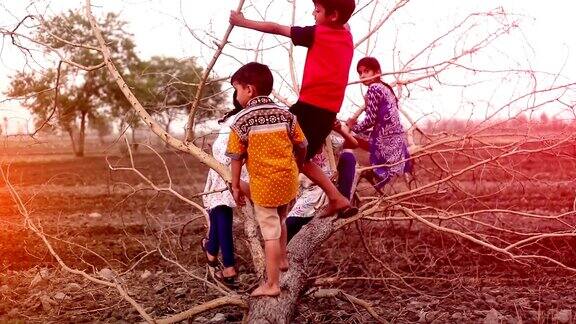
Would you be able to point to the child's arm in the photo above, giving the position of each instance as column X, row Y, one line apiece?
column 300, row 154
column 236, row 188
column 373, row 98
column 351, row 122
column 349, row 140
column 237, row 19
column 300, row 144
column 236, row 150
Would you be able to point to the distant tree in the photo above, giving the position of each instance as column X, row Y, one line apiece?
column 166, row 86
column 82, row 95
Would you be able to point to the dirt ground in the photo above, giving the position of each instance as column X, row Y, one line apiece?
column 99, row 219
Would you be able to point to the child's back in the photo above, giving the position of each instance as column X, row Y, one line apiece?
column 327, row 66
column 267, row 133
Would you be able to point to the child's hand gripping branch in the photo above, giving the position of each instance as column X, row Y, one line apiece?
column 238, row 19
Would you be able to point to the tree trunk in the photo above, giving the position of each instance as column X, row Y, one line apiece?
column 167, row 128
column 293, row 282
column 81, row 136
column 70, row 132
column 134, row 143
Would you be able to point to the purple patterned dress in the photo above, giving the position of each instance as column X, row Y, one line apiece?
column 381, row 127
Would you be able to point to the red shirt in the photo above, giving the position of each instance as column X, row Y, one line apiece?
column 328, row 61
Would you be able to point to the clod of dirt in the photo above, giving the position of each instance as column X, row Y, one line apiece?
column 41, row 277
column 4, row 289
column 60, row 296
column 145, row 275
column 563, row 316
column 493, row 317
column 218, row 318
column 180, row 292
column 36, row 280
column 456, row 316
column 47, row 303
column 200, row 319
column 14, row 313
column 491, row 301
column 243, row 277
column 94, row 215
column 159, row 287
column 416, row 305
column 107, row 274
column 426, row 317
column 522, row 302
column 73, row 287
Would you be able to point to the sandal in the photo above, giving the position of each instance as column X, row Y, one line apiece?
column 348, row 212
column 212, row 263
column 227, row 281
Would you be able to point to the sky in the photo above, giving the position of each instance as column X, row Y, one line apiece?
column 541, row 42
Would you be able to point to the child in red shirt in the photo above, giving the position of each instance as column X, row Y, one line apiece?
column 330, row 51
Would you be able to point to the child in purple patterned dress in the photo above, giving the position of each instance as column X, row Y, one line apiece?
column 381, row 132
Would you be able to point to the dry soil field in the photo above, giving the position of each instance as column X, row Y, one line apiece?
column 97, row 219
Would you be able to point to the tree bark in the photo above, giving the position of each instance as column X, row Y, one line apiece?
column 300, row 249
column 82, row 135
column 70, row 132
column 134, row 143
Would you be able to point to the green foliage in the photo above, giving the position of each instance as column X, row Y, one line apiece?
column 90, row 98
column 168, row 83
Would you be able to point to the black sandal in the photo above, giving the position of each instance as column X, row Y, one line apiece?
column 227, row 281
column 212, row 263
column 348, row 212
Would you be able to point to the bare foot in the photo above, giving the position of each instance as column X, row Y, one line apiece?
column 266, row 290
column 335, row 206
column 229, row 272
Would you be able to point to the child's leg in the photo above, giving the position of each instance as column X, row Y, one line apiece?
column 336, row 201
column 294, row 224
column 272, row 285
column 213, row 243
column 363, row 143
column 226, row 239
column 269, row 222
column 346, row 173
column 282, row 212
column 317, row 123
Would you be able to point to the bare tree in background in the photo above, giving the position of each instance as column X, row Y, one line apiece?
column 460, row 165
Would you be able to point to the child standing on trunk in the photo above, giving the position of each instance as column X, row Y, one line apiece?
column 268, row 138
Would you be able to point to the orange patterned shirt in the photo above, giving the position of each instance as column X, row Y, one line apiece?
column 265, row 135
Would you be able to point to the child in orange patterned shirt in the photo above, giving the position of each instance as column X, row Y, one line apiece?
column 273, row 145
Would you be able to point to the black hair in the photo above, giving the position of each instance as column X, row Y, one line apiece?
column 370, row 63
column 344, row 8
column 237, row 108
column 257, row 75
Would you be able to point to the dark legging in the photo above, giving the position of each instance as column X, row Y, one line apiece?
column 220, row 234
column 346, row 173
column 294, row 224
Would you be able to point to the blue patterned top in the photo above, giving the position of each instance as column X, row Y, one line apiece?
column 381, row 127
